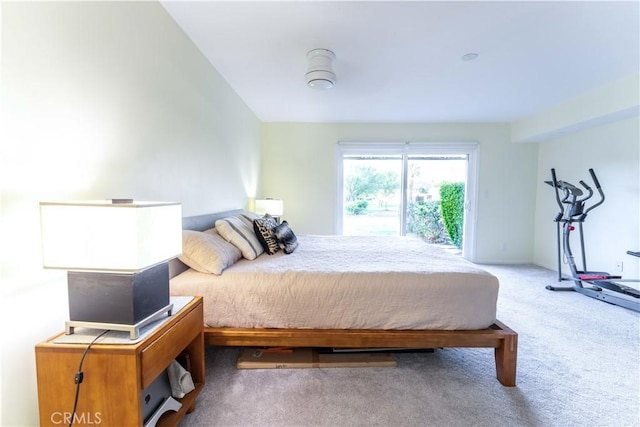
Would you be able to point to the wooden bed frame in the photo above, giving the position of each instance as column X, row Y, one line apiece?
column 500, row 337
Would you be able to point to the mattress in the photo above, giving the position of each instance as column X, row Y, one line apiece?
column 348, row 282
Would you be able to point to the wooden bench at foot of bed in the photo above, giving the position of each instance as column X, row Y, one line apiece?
column 499, row 336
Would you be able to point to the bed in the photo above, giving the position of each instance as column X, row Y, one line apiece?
column 324, row 295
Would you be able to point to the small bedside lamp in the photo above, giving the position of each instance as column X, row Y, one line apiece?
column 274, row 207
column 117, row 254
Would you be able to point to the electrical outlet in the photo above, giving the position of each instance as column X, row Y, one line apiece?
column 618, row 267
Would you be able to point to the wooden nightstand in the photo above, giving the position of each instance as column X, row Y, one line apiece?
column 115, row 375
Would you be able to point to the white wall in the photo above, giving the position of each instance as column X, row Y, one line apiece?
column 299, row 166
column 613, row 151
column 100, row 100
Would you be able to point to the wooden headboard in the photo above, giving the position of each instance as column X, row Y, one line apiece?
column 197, row 223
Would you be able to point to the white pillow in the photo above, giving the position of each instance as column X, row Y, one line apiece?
column 207, row 252
column 239, row 231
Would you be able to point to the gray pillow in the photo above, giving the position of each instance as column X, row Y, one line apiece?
column 287, row 239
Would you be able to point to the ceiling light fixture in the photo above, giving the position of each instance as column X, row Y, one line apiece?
column 469, row 56
column 320, row 74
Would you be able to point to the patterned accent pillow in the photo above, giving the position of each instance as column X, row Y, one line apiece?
column 239, row 231
column 264, row 231
column 287, row 239
column 207, row 252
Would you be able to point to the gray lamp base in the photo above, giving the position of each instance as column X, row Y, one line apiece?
column 134, row 330
column 118, row 297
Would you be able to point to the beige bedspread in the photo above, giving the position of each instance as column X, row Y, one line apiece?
column 348, row 282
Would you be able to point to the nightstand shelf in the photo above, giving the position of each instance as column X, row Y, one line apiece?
column 116, row 375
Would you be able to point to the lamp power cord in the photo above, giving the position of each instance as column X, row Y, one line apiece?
column 79, row 377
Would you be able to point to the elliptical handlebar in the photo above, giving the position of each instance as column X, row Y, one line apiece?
column 589, row 190
column 554, row 183
column 595, row 179
column 600, row 192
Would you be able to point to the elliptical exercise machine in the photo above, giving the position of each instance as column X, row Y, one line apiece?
column 595, row 284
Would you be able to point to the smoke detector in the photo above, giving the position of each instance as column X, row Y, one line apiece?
column 320, row 74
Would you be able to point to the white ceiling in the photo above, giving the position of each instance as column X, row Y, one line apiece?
column 401, row 61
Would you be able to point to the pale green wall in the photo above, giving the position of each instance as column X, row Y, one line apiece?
column 299, row 166
column 100, row 100
column 613, row 151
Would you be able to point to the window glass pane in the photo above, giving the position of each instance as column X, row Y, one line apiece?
column 426, row 176
column 371, row 194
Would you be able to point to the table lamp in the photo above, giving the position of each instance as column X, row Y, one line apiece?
column 116, row 253
column 273, row 207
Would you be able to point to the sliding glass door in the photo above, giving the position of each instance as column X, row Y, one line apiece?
column 398, row 189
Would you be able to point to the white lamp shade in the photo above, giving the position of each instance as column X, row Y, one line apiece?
column 106, row 236
column 273, row 207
